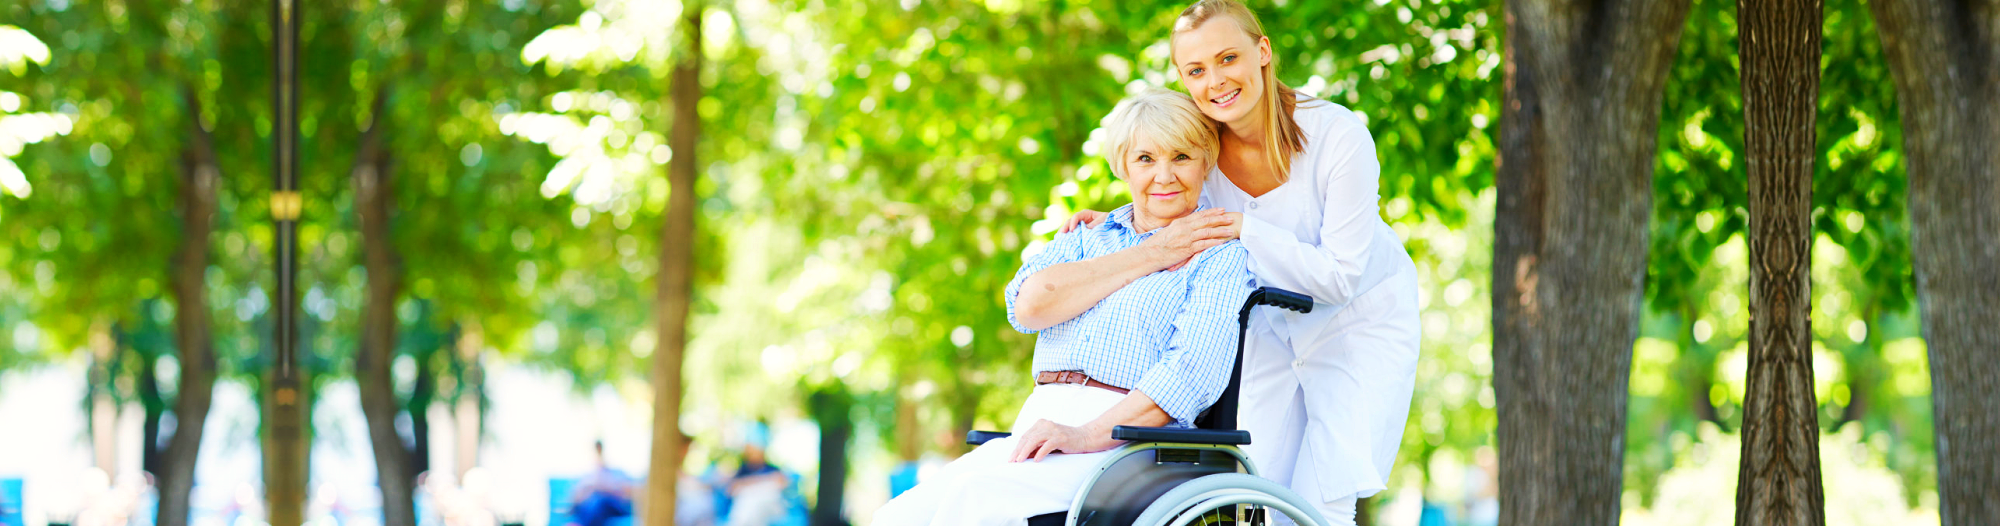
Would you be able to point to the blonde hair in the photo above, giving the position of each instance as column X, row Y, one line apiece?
column 1282, row 136
column 1168, row 118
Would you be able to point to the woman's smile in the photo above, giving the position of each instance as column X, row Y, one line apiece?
column 1227, row 98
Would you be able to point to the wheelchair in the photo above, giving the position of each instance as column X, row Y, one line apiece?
column 1177, row 477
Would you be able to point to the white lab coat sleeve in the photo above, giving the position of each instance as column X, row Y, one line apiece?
column 1338, row 269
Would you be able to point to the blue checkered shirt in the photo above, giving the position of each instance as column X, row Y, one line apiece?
column 1171, row 335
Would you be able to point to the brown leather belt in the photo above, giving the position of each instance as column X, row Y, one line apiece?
column 1075, row 377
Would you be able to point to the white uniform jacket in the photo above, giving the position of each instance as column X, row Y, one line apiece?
column 1326, row 393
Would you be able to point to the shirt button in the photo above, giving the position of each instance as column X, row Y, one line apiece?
column 1299, row 362
column 1253, row 205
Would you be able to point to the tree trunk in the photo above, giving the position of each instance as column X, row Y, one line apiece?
column 287, row 447
column 964, row 411
column 372, row 199
column 1582, row 87
column 286, row 397
column 833, row 409
column 1779, row 481
column 471, row 391
column 151, row 458
column 1864, row 369
column 1945, row 55
column 422, row 392
column 103, row 398
column 199, row 178
column 1694, row 372
column 676, row 286
column 908, row 430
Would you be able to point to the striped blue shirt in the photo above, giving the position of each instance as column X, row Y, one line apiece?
column 1171, row 335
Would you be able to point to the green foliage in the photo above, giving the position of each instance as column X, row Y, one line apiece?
column 455, row 218
column 1695, row 277
column 871, row 172
column 1864, row 297
column 1697, row 308
column 98, row 232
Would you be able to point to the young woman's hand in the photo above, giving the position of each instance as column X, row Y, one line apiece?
column 1177, row 244
column 1084, row 218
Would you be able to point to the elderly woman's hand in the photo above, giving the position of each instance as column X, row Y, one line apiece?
column 1177, row 243
column 1047, row 437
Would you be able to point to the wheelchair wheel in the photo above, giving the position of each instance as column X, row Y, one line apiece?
column 1228, row 499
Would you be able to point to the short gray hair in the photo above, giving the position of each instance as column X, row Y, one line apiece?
column 1169, row 118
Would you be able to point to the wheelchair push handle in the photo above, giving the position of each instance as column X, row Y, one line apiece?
column 1280, row 298
column 1223, row 414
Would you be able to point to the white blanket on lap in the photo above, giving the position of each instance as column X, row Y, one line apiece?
column 983, row 488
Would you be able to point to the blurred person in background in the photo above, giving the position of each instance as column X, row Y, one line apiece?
column 458, row 503
column 1482, row 489
column 246, row 508
column 756, row 491
column 602, row 495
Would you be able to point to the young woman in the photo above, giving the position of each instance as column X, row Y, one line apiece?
column 1325, row 394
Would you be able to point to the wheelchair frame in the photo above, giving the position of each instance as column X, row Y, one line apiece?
column 1178, row 456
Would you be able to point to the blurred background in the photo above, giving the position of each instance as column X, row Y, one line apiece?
column 868, row 174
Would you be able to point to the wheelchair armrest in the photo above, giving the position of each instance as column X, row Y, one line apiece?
column 1220, row 437
column 977, row 438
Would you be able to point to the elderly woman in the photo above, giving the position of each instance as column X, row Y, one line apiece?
column 1156, row 351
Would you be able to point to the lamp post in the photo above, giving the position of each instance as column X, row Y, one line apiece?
column 286, row 442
